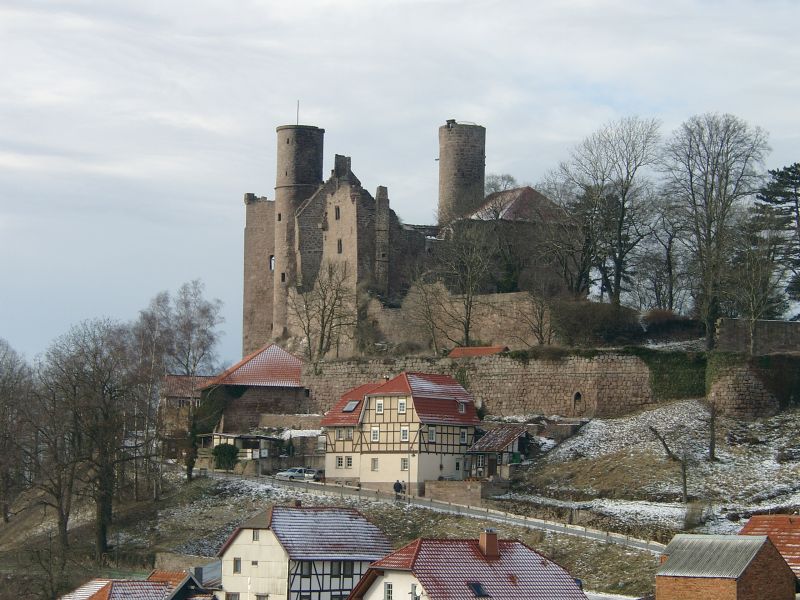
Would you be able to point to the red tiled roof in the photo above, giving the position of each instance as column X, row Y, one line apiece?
column 436, row 397
column 320, row 533
column 445, row 567
column 498, row 439
column 183, row 386
column 271, row 366
column 476, row 351
column 172, row 578
column 337, row 416
column 784, row 533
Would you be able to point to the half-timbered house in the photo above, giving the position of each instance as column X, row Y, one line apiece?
column 494, row 454
column 290, row 553
column 412, row 428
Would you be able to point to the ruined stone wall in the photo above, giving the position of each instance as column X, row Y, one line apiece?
column 605, row 385
column 733, row 335
column 491, row 318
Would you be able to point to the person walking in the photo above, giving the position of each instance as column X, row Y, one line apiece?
column 398, row 489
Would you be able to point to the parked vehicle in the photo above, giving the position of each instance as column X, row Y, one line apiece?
column 300, row 473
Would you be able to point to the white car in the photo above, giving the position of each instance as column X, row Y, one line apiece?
column 297, row 473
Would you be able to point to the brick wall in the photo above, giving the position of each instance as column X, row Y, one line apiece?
column 733, row 335
column 768, row 577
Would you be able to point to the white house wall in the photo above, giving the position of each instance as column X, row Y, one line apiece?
column 401, row 586
column 268, row 576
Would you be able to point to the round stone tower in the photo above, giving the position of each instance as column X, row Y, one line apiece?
column 462, row 163
column 298, row 176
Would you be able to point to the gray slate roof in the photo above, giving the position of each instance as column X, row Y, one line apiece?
column 321, row 533
column 723, row 556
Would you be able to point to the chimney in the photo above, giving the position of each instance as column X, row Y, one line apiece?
column 488, row 544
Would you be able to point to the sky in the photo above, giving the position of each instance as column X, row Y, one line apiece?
column 130, row 131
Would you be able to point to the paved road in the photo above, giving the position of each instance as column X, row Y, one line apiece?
column 458, row 509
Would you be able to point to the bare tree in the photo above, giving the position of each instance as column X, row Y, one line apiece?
column 607, row 169
column 463, row 267
column 712, row 162
column 421, row 304
column 327, row 313
column 194, row 321
column 15, row 389
column 499, row 183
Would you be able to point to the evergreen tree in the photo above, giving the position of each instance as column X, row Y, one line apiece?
column 781, row 199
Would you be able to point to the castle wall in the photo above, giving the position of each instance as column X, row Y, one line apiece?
column 605, row 385
column 259, row 251
column 738, row 391
column 733, row 335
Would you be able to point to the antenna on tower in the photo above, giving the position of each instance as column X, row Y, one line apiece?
column 298, row 113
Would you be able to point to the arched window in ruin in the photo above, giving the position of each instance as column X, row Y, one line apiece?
column 577, row 403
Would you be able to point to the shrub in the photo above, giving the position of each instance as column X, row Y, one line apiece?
column 664, row 323
column 225, row 456
column 595, row 324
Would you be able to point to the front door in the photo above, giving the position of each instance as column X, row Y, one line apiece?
column 492, row 465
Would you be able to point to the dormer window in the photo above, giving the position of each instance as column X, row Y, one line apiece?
column 462, row 408
column 477, row 589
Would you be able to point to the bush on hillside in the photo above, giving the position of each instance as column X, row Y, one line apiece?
column 581, row 323
column 225, row 456
column 662, row 323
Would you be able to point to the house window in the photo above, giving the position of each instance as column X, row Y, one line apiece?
column 338, row 246
column 255, row 535
column 463, row 439
column 342, row 568
column 404, row 464
column 322, row 443
column 379, row 407
column 462, row 408
column 458, row 465
column 432, row 434
column 262, row 596
column 339, row 462
column 404, row 434
column 237, row 565
column 271, row 262
column 387, row 590
column 232, row 596
column 348, row 433
column 348, row 462
column 401, row 406
column 376, row 434
column 340, row 433
column 479, row 461
column 336, row 213
column 374, row 464
column 253, row 563
column 305, row 568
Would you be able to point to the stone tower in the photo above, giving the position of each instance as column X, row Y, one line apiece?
column 259, row 271
column 462, row 162
column 298, row 176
